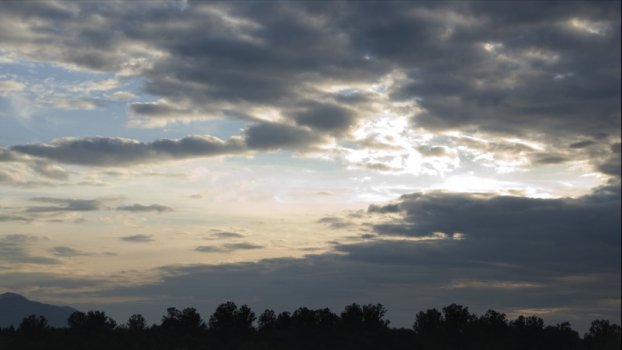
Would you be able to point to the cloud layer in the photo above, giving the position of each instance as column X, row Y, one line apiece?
column 304, row 74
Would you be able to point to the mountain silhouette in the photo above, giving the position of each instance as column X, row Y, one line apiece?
column 14, row 307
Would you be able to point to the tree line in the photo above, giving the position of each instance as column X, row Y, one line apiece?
column 356, row 327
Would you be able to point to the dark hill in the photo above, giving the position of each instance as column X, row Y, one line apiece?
column 14, row 307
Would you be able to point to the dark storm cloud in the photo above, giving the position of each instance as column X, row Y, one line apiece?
column 145, row 208
column 138, row 238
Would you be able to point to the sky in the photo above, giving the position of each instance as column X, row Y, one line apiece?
column 287, row 154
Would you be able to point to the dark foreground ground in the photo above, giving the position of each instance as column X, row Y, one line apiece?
column 357, row 327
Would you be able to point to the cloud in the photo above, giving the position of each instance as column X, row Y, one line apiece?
column 138, row 238
column 209, row 249
column 67, row 252
column 326, row 118
column 228, row 247
column 473, row 68
column 241, row 246
column 22, row 170
column 8, row 86
column 64, row 205
column 7, row 155
column 51, row 171
column 15, row 249
column 273, row 136
column 482, row 216
column 335, row 222
column 612, row 164
column 47, row 283
column 102, row 151
column 226, row 235
column 145, row 208
column 12, row 217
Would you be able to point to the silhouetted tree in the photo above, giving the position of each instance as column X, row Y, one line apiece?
column 267, row 321
column 373, row 317
column 428, row 328
column 352, row 317
column 187, row 321
column 93, row 321
column 228, row 319
column 33, row 326
column 494, row 321
column 560, row 337
column 136, row 322
column 458, row 322
column 326, row 319
column 527, row 332
column 491, row 331
column 357, row 328
column 284, row 320
column 603, row 336
column 77, row 320
column 304, row 319
column 368, row 317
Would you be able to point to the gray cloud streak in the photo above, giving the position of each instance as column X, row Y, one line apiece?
column 67, row 252
column 228, row 247
column 64, row 205
column 138, row 238
column 102, row 151
column 15, row 249
column 140, row 208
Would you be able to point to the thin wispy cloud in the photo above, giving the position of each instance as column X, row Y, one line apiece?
column 138, row 238
column 140, row 208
